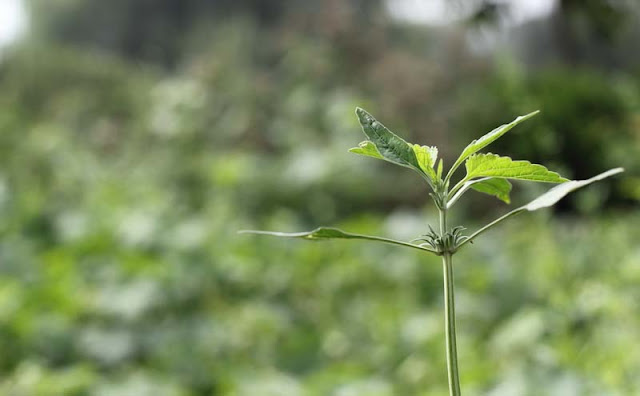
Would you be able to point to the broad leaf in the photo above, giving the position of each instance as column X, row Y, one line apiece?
column 426, row 157
column 546, row 200
column 492, row 165
column 558, row 192
column 323, row 233
column 368, row 149
column 499, row 188
column 390, row 146
column 489, row 138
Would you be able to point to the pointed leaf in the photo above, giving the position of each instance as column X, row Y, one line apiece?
column 546, row 200
column 558, row 192
column 492, row 165
column 368, row 149
column 323, row 233
column 489, row 138
column 439, row 172
column 426, row 157
column 498, row 187
column 390, row 146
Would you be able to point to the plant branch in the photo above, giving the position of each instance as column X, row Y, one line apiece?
column 490, row 225
column 463, row 186
column 322, row 233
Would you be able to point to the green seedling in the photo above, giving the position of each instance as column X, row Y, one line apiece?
column 487, row 173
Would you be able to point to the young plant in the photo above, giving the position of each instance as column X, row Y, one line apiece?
column 487, row 173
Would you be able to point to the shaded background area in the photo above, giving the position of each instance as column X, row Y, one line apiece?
column 137, row 137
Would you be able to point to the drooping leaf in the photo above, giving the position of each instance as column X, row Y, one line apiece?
column 368, row 149
column 498, row 187
column 323, row 233
column 546, row 200
column 492, row 165
column 558, row 192
column 390, row 146
column 426, row 157
column 489, row 138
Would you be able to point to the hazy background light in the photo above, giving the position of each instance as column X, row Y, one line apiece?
column 443, row 12
column 12, row 21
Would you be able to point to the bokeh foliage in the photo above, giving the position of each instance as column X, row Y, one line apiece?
column 132, row 149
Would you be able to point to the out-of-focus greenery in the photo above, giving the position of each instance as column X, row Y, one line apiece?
column 124, row 176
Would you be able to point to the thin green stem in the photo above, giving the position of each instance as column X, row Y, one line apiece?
column 455, row 188
column 449, row 315
column 443, row 221
column 450, row 326
column 490, row 225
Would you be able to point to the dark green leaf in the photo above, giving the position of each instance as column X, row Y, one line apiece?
column 390, row 146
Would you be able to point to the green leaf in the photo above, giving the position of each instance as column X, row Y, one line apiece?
column 439, row 173
column 498, row 187
column 492, row 165
column 558, row 192
column 546, row 200
column 323, row 233
column 426, row 157
column 487, row 139
column 390, row 146
column 368, row 149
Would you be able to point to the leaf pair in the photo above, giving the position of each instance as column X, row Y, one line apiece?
column 386, row 145
column 493, row 170
column 547, row 199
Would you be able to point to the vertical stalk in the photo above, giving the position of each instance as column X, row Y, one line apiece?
column 449, row 315
column 450, row 326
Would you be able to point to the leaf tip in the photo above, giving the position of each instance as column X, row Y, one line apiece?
column 364, row 117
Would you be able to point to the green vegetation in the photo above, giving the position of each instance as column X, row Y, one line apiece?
column 136, row 137
column 490, row 172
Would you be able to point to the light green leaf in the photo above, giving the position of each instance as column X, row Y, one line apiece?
column 492, row 165
column 439, row 173
column 498, row 187
column 368, row 149
column 546, row 200
column 426, row 159
column 323, row 233
column 487, row 139
column 390, row 146
column 558, row 192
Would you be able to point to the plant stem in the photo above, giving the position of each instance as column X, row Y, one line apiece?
column 449, row 315
column 450, row 326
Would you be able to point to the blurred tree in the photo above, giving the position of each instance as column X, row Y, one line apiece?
column 156, row 30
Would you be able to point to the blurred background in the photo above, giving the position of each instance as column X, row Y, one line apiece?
column 137, row 137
